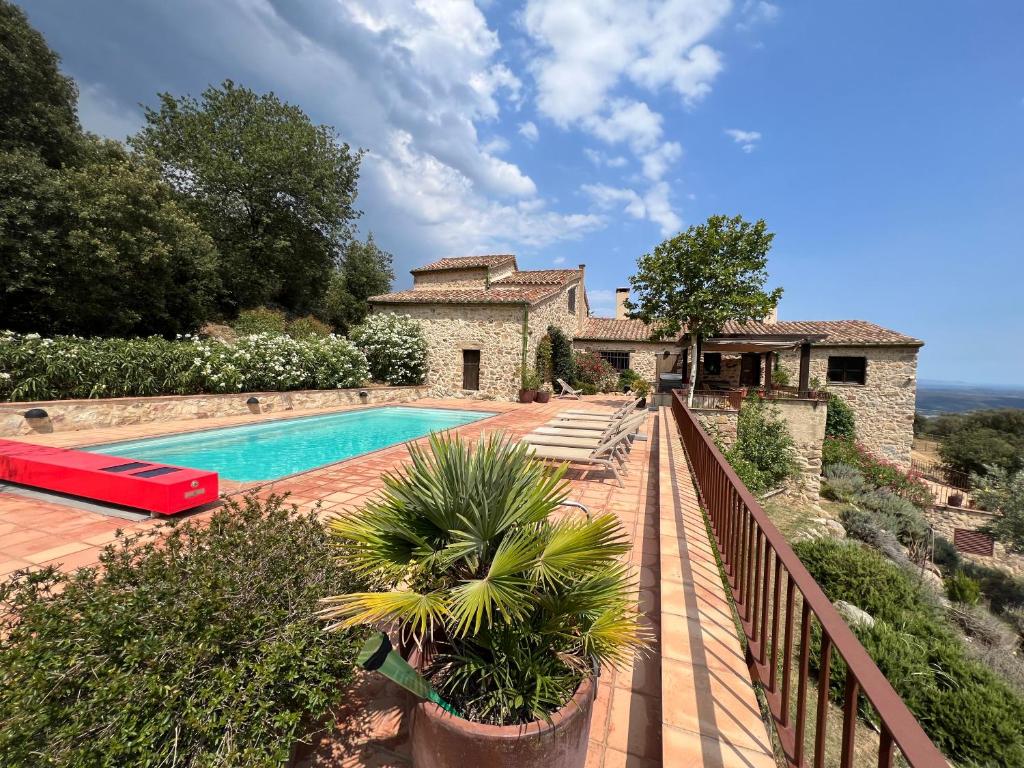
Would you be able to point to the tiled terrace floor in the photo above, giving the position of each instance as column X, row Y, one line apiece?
column 688, row 703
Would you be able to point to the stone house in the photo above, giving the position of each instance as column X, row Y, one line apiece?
column 482, row 316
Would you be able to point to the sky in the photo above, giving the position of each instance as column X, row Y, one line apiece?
column 880, row 141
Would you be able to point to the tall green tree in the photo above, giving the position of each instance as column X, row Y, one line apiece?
column 702, row 278
column 37, row 103
column 365, row 270
column 274, row 191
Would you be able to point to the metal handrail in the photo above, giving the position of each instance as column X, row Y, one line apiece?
column 764, row 574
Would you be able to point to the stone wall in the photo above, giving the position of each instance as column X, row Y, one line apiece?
column 450, row 278
column 643, row 356
column 494, row 329
column 553, row 311
column 719, row 424
column 884, row 405
column 74, row 415
column 945, row 519
column 805, row 420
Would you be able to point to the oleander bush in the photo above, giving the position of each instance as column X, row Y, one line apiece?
column 395, row 348
column 34, row 368
column 594, row 370
column 193, row 645
column 965, row 708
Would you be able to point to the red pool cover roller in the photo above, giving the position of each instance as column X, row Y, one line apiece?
column 158, row 488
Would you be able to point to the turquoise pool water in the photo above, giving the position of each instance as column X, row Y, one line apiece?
column 273, row 449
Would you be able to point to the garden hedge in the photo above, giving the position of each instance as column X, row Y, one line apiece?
column 202, row 650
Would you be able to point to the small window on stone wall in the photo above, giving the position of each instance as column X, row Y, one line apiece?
column 847, row 370
column 619, row 360
column 712, row 363
column 572, row 301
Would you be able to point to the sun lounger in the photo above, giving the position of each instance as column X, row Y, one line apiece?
column 605, row 455
column 580, row 439
column 598, row 415
column 567, row 391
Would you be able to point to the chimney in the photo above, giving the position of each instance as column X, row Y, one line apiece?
column 773, row 317
column 621, row 294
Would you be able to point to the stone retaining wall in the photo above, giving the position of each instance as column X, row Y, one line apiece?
column 806, row 422
column 945, row 519
column 74, row 415
column 719, row 424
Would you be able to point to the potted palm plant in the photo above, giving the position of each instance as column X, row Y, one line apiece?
column 511, row 609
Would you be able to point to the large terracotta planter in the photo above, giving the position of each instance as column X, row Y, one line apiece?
column 527, row 395
column 440, row 740
column 542, row 396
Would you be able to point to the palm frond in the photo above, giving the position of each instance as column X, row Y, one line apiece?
column 503, row 588
column 575, row 547
column 419, row 612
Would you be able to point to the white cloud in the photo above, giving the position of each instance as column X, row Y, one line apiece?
column 558, row 260
column 588, row 46
column 746, row 139
column 657, row 162
column 528, row 131
column 653, row 205
column 600, row 159
column 757, row 12
column 589, row 52
column 101, row 113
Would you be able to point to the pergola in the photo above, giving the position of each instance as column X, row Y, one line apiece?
column 767, row 347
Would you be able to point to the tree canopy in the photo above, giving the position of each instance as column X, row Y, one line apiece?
column 365, row 270
column 37, row 103
column 701, row 278
column 972, row 442
column 274, row 191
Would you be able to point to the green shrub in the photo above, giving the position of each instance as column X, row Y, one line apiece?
column 528, row 378
column 842, row 482
column 593, row 369
column 198, row 646
column 308, row 327
column 879, row 473
column 1003, row 591
column 32, row 368
column 896, row 515
column 629, row 380
column 836, row 450
column 544, row 359
column 763, row 453
column 839, row 419
column 395, row 348
column 561, row 355
column 260, row 320
column 961, row 588
column 969, row 712
column 945, row 554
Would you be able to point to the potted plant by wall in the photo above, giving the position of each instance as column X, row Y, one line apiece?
column 641, row 389
column 514, row 607
column 543, row 393
column 955, row 499
column 529, row 382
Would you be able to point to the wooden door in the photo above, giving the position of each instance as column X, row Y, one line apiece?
column 750, row 370
column 471, row 369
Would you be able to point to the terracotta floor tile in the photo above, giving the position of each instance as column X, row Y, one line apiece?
column 635, row 724
column 54, row 553
column 684, row 749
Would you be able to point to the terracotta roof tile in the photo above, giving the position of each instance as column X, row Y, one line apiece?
column 610, row 329
column 496, row 294
column 540, row 277
column 467, row 262
column 835, row 332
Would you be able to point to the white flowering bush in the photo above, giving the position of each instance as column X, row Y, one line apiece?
column 394, row 347
column 34, row 368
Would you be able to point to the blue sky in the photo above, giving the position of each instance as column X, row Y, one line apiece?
column 881, row 141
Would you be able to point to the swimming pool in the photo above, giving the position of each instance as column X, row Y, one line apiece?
column 273, row 449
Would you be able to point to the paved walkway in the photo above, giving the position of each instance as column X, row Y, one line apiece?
column 687, row 703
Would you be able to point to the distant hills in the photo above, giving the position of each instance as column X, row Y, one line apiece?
column 935, row 397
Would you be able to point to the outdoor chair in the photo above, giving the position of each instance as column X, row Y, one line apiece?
column 567, row 391
column 580, row 439
column 605, row 455
column 601, row 416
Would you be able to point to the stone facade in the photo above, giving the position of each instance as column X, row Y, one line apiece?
column 884, row 405
column 719, row 424
column 945, row 520
column 74, row 415
column 805, row 420
column 554, row 311
column 643, row 356
column 496, row 330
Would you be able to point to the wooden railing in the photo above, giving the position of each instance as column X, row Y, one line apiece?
column 775, row 597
